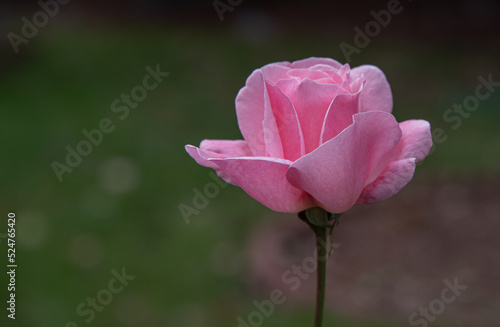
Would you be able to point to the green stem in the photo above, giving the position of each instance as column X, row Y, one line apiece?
column 320, row 275
column 319, row 221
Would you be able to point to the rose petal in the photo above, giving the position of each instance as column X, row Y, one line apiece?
column 264, row 179
column 416, row 140
column 308, row 62
column 276, row 71
column 357, row 84
column 324, row 68
column 345, row 71
column 287, row 124
column 302, row 73
column 336, row 76
column 250, row 107
column 272, row 139
column 311, row 102
column 326, row 80
column 339, row 115
column 210, row 149
column 394, row 177
column 397, row 169
column 376, row 93
column 336, row 172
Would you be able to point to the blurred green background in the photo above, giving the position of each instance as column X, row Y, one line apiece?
column 119, row 207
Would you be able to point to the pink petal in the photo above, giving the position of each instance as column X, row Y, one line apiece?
column 416, row 141
column 287, row 123
column 225, row 148
column 250, row 108
column 264, row 179
column 337, row 76
column 306, row 63
column 311, row 102
column 394, row 177
column 324, row 68
column 356, row 84
column 254, row 113
column 276, row 71
column 210, row 149
column 302, row 73
column 345, row 72
column 396, row 170
column 339, row 115
column 376, row 93
column 272, row 138
column 336, row 172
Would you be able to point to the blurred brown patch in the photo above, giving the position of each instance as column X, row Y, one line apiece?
column 393, row 257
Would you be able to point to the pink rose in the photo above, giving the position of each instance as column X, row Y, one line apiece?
column 317, row 133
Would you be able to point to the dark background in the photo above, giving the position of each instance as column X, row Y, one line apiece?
column 119, row 208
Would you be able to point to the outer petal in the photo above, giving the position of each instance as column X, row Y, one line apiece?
column 376, row 94
column 264, row 179
column 393, row 173
column 210, row 149
column 416, row 141
column 276, row 71
column 336, row 172
column 395, row 176
column 250, row 107
column 254, row 112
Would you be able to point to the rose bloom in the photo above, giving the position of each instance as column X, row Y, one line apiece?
column 317, row 134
